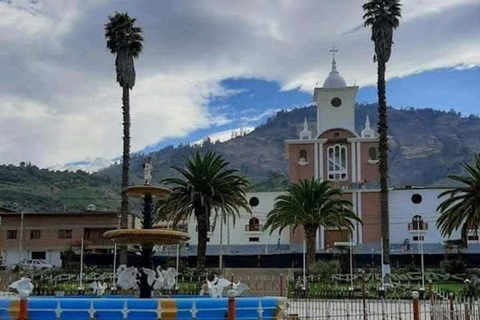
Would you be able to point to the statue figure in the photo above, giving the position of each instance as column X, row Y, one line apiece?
column 24, row 287
column 127, row 277
column 154, row 278
column 169, row 278
column 147, row 170
column 99, row 287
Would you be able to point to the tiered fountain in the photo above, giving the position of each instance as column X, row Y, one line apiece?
column 148, row 236
column 126, row 308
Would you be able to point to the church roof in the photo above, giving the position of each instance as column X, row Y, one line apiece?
column 334, row 79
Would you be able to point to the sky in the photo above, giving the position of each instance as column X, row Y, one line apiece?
column 210, row 67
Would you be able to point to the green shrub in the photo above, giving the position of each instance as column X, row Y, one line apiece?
column 453, row 266
column 325, row 269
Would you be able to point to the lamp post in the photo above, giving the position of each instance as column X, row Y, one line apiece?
column 420, row 247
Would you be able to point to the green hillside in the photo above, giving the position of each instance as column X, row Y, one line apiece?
column 426, row 146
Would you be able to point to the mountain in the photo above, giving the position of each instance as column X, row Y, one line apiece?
column 426, row 146
column 88, row 165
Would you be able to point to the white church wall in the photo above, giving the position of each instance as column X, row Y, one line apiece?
column 402, row 210
column 239, row 234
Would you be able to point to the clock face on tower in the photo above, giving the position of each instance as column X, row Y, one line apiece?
column 336, row 102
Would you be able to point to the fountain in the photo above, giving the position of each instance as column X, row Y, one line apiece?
column 146, row 280
column 148, row 236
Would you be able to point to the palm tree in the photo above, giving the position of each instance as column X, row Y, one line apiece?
column 124, row 40
column 310, row 204
column 461, row 208
column 206, row 186
column 383, row 17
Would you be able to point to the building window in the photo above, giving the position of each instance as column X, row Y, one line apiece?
column 65, row 234
column 302, row 158
column 35, row 234
column 418, row 238
column 372, row 154
column 416, row 198
column 472, row 237
column 254, row 201
column 417, row 224
column 42, row 255
column 253, row 225
column 254, row 239
column 337, row 162
column 12, row 234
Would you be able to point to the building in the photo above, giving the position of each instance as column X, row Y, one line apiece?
column 46, row 235
column 333, row 149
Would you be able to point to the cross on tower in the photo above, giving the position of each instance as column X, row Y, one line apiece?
column 333, row 51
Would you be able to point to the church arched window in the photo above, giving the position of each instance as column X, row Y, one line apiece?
column 302, row 157
column 253, row 224
column 372, row 154
column 418, row 223
column 337, row 162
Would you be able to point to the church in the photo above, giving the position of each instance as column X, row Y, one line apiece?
column 333, row 149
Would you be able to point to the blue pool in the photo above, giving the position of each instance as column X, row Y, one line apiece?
column 121, row 308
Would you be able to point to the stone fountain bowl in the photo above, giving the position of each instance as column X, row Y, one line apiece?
column 141, row 190
column 147, row 236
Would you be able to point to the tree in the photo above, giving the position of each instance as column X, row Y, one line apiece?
column 206, row 186
column 310, row 204
column 383, row 18
column 461, row 208
column 124, row 40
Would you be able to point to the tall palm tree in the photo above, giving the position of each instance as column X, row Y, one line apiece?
column 206, row 186
column 124, row 40
column 383, row 18
column 311, row 204
column 461, row 208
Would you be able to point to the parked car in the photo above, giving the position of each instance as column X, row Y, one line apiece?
column 34, row 264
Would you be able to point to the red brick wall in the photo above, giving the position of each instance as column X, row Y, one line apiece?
column 369, row 171
column 371, row 217
column 49, row 226
column 297, row 172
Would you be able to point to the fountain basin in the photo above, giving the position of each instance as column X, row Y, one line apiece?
column 146, row 236
column 142, row 190
column 200, row 308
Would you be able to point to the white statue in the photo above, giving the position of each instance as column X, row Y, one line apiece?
column 127, row 277
column 169, row 278
column 218, row 285
column 239, row 288
column 155, row 279
column 99, row 287
column 147, row 170
column 24, row 287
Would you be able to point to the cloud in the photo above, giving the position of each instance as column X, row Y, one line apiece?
column 60, row 102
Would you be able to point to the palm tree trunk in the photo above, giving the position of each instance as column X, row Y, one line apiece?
column 310, row 236
column 125, row 167
column 203, row 226
column 383, row 163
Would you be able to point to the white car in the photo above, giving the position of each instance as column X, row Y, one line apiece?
column 34, row 264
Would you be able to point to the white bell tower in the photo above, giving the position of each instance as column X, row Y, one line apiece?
column 335, row 102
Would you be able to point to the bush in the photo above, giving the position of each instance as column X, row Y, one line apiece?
column 454, row 266
column 325, row 269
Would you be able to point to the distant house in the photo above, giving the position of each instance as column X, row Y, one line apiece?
column 45, row 235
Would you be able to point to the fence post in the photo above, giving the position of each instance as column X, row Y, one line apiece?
column 364, row 296
column 416, row 307
column 430, row 295
column 452, row 308
column 22, row 315
column 281, row 285
column 231, row 305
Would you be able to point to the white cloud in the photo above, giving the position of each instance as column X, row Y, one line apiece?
column 225, row 135
column 60, row 103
